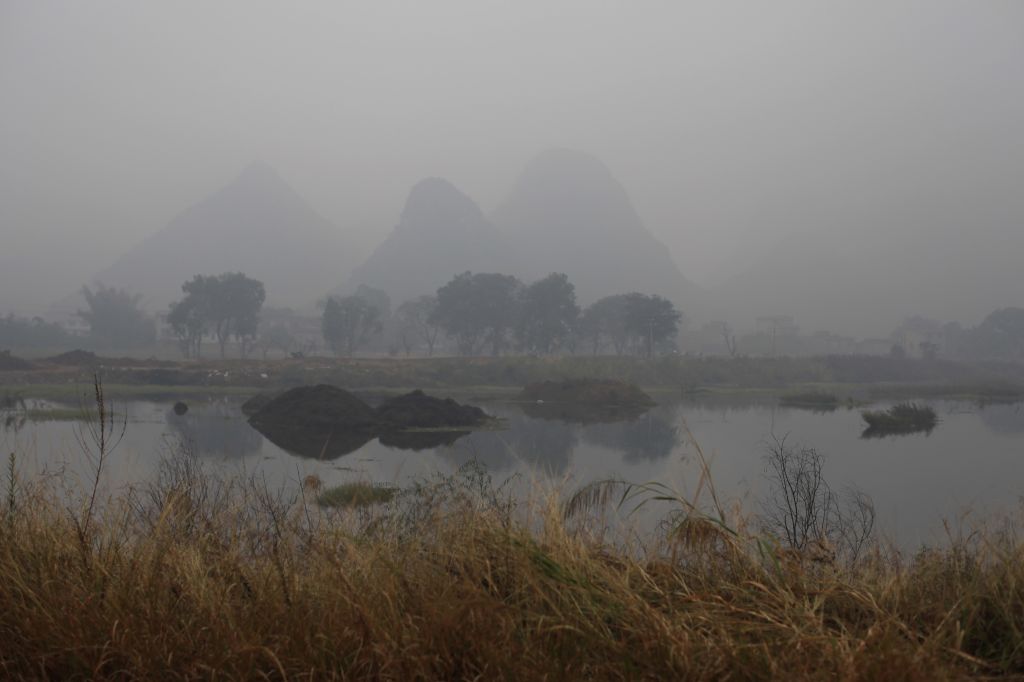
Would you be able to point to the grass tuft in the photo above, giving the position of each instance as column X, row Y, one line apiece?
column 359, row 494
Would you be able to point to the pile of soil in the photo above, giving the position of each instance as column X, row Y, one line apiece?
column 74, row 358
column 9, row 363
column 257, row 403
column 418, row 410
column 605, row 392
column 326, row 422
column 317, row 407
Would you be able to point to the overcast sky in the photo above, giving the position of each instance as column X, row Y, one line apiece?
column 730, row 124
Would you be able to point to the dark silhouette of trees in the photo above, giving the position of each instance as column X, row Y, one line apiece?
column 35, row 332
column 347, row 323
column 277, row 337
column 227, row 305
column 115, row 318
column 478, row 310
column 633, row 321
column 547, row 314
column 415, row 324
column 605, row 322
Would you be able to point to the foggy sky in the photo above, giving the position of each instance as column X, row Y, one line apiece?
column 731, row 125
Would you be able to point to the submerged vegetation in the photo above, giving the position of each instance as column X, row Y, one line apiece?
column 358, row 494
column 899, row 419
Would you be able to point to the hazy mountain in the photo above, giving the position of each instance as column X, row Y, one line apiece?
column 258, row 225
column 569, row 214
column 441, row 233
column 863, row 282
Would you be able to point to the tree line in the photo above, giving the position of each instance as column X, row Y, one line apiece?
column 493, row 313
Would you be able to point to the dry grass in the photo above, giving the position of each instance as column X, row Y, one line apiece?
column 195, row 577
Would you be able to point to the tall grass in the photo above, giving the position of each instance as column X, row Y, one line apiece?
column 197, row 576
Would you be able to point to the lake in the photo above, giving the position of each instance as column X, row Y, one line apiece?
column 971, row 463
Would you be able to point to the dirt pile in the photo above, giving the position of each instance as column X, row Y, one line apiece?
column 257, row 403
column 322, row 421
column 317, row 407
column 326, row 422
column 418, row 410
column 9, row 363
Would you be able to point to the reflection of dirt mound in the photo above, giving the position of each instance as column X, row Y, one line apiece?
column 421, row 440
column 74, row 358
column 9, row 363
column 319, row 443
column 588, row 392
column 417, row 410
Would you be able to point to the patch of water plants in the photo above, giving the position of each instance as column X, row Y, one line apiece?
column 899, row 419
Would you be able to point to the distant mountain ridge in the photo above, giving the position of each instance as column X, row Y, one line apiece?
column 441, row 232
column 568, row 213
column 256, row 224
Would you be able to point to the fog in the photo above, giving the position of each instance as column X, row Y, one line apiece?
column 786, row 153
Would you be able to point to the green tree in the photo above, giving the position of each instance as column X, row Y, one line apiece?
column 276, row 337
column 477, row 310
column 188, row 320
column 115, row 318
column 416, row 325
column 651, row 320
column 348, row 322
column 547, row 314
column 606, row 321
column 228, row 305
column 633, row 321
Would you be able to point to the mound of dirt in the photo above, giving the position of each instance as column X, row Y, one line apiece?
column 74, row 358
column 418, row 410
column 603, row 392
column 257, row 403
column 9, row 363
column 315, row 421
column 317, row 407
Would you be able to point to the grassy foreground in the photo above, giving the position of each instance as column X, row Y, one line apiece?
column 198, row 577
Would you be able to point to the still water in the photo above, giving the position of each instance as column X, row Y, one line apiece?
column 969, row 467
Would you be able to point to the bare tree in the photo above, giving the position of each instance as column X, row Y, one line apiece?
column 803, row 511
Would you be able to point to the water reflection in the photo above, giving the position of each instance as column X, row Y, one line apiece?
column 215, row 429
column 546, row 445
column 1004, row 419
column 647, row 438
